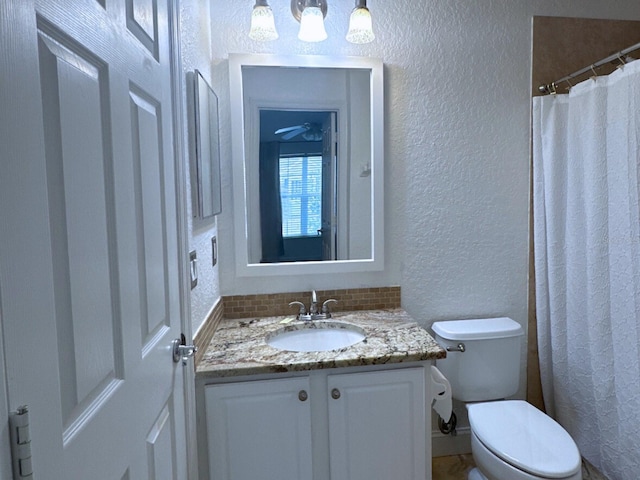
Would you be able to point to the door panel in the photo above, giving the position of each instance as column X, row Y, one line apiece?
column 146, row 128
column 79, row 213
column 142, row 22
column 160, row 450
column 329, row 161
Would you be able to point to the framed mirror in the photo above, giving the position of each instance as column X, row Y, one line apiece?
column 307, row 140
column 207, row 189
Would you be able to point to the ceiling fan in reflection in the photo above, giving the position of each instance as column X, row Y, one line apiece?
column 311, row 132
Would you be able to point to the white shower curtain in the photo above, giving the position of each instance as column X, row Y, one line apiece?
column 587, row 261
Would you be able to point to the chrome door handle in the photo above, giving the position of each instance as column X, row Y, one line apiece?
column 182, row 351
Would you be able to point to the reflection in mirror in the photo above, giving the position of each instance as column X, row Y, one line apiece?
column 307, row 143
column 297, row 185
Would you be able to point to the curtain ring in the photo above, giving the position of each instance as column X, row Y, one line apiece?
column 621, row 60
column 595, row 74
column 553, row 90
column 570, row 84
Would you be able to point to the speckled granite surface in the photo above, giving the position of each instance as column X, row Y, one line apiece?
column 238, row 347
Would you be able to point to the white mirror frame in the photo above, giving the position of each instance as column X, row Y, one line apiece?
column 243, row 267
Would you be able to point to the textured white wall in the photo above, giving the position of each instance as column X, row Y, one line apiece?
column 196, row 54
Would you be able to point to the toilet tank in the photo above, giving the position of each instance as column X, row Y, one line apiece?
column 489, row 367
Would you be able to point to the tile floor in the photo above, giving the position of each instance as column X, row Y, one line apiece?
column 456, row 467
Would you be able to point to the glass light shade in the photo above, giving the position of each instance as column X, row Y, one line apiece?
column 312, row 25
column 263, row 27
column 360, row 26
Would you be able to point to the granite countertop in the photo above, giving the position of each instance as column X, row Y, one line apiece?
column 238, row 347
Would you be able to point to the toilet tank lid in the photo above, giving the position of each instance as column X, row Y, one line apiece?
column 478, row 329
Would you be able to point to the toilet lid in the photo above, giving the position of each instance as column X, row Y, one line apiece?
column 526, row 438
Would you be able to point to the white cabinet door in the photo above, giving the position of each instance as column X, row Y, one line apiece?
column 377, row 425
column 259, row 430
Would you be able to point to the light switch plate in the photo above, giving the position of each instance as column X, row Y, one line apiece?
column 193, row 268
column 214, row 251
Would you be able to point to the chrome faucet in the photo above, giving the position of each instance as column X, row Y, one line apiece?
column 313, row 313
column 313, row 308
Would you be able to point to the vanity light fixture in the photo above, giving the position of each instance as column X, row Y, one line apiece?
column 310, row 14
column 360, row 24
column 263, row 27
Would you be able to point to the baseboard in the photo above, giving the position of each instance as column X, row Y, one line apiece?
column 444, row 445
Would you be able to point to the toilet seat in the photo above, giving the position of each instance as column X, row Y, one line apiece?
column 524, row 437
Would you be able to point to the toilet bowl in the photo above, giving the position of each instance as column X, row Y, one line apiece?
column 510, row 439
column 513, row 440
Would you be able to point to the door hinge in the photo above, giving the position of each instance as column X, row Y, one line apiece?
column 21, row 444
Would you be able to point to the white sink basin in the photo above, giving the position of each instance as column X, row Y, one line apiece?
column 316, row 336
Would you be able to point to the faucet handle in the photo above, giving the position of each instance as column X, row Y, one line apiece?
column 301, row 311
column 325, row 306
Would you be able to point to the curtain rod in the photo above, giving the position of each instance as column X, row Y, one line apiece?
column 550, row 88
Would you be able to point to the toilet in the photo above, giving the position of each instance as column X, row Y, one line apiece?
column 510, row 439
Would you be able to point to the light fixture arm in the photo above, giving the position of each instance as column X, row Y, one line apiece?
column 297, row 6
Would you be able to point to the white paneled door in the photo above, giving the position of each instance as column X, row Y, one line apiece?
column 89, row 262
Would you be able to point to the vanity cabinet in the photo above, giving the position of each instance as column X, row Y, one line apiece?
column 359, row 425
